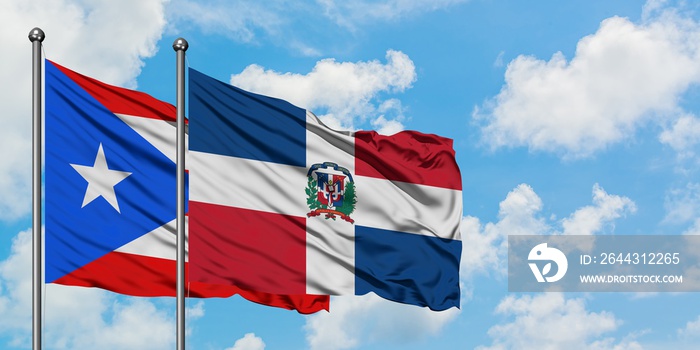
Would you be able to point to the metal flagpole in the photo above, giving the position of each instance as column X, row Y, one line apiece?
column 180, row 46
column 36, row 36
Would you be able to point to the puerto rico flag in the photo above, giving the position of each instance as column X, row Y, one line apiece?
column 110, row 182
column 279, row 203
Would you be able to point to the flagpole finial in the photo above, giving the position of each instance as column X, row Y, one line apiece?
column 37, row 34
column 180, row 44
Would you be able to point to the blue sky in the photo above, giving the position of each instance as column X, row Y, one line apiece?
column 569, row 117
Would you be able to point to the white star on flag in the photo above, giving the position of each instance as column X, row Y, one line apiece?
column 101, row 180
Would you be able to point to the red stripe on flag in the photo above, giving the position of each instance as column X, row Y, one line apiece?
column 120, row 100
column 407, row 156
column 144, row 276
column 250, row 249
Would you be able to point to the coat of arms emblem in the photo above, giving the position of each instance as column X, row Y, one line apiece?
column 331, row 191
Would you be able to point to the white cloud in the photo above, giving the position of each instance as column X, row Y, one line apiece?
column 546, row 321
column 351, row 13
column 195, row 311
column 386, row 127
column 104, row 39
column 549, row 321
column 682, row 204
column 691, row 330
column 357, row 320
column 248, row 342
column 240, row 20
column 16, row 289
column 251, row 21
column 498, row 62
column 592, row 218
column 296, row 26
column 518, row 214
column 136, row 324
column 390, row 119
column 77, row 318
column 622, row 77
column 683, row 136
column 347, row 91
column 694, row 229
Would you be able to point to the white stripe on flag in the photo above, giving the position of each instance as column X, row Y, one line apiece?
column 248, row 184
column 405, row 207
column 330, row 244
column 159, row 133
column 159, row 243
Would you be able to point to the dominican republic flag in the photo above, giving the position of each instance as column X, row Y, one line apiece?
column 111, row 193
column 279, row 203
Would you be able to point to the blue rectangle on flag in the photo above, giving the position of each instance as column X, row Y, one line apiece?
column 407, row 268
column 224, row 123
